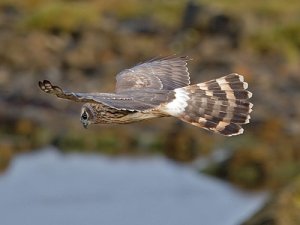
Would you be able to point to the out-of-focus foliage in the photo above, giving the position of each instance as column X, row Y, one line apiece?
column 283, row 209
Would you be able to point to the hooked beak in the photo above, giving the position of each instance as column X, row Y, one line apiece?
column 85, row 125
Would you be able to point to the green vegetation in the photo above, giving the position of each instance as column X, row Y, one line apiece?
column 272, row 25
column 61, row 15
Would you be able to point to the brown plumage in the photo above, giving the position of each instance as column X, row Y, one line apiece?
column 161, row 88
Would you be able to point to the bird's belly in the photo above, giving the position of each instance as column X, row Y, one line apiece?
column 138, row 116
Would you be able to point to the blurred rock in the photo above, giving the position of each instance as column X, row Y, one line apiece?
column 190, row 15
column 4, row 76
column 212, row 23
column 140, row 26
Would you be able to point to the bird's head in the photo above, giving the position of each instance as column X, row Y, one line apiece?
column 87, row 116
column 97, row 113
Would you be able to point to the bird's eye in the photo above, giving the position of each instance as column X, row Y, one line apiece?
column 84, row 116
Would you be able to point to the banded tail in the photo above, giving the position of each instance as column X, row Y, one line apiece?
column 221, row 105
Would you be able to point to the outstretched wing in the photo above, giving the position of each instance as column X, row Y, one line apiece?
column 47, row 87
column 131, row 100
column 158, row 74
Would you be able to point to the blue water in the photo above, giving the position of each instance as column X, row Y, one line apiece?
column 49, row 188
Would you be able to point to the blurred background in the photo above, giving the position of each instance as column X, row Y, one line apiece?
column 82, row 44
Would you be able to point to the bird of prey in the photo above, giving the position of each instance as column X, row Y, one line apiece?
column 161, row 87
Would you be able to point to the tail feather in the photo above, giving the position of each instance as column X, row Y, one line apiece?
column 221, row 105
column 221, row 127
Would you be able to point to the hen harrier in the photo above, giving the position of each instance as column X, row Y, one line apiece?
column 160, row 88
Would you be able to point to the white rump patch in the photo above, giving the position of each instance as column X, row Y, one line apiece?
column 178, row 105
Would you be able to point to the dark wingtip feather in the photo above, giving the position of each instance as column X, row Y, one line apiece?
column 47, row 87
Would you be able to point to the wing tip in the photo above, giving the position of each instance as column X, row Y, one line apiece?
column 40, row 84
column 43, row 84
column 47, row 87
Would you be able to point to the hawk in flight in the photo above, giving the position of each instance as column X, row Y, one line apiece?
column 160, row 88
